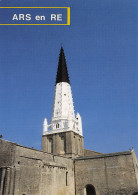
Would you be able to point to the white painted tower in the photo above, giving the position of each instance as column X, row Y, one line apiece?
column 63, row 117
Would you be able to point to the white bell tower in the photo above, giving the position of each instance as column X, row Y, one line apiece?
column 63, row 117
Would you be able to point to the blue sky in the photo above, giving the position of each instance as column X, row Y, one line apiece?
column 101, row 52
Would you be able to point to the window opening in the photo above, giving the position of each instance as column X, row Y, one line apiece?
column 63, row 143
column 57, row 125
column 66, row 178
column 51, row 145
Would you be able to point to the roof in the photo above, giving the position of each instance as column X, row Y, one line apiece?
column 105, row 155
column 62, row 71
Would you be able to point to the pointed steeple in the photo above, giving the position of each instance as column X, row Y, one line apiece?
column 64, row 126
column 62, row 72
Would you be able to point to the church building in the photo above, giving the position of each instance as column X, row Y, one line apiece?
column 63, row 166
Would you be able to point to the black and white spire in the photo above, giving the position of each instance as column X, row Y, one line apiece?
column 63, row 117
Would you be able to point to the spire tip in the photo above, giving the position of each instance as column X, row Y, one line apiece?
column 62, row 72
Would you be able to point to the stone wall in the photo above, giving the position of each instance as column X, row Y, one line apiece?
column 73, row 144
column 135, row 161
column 7, row 150
column 33, row 172
column 39, row 173
column 7, row 159
column 26, row 171
column 109, row 174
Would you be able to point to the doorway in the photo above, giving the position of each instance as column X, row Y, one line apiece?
column 90, row 190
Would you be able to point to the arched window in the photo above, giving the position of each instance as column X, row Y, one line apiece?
column 79, row 146
column 66, row 178
column 57, row 125
column 63, row 144
column 50, row 145
column 90, row 190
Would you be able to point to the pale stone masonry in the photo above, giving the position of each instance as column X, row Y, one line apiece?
column 64, row 167
column 32, row 172
column 26, row 171
column 109, row 173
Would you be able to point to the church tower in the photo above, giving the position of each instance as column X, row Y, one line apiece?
column 63, row 136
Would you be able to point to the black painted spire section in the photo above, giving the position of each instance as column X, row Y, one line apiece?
column 62, row 72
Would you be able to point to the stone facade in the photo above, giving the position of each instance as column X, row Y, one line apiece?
column 69, row 144
column 109, row 174
column 26, row 171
